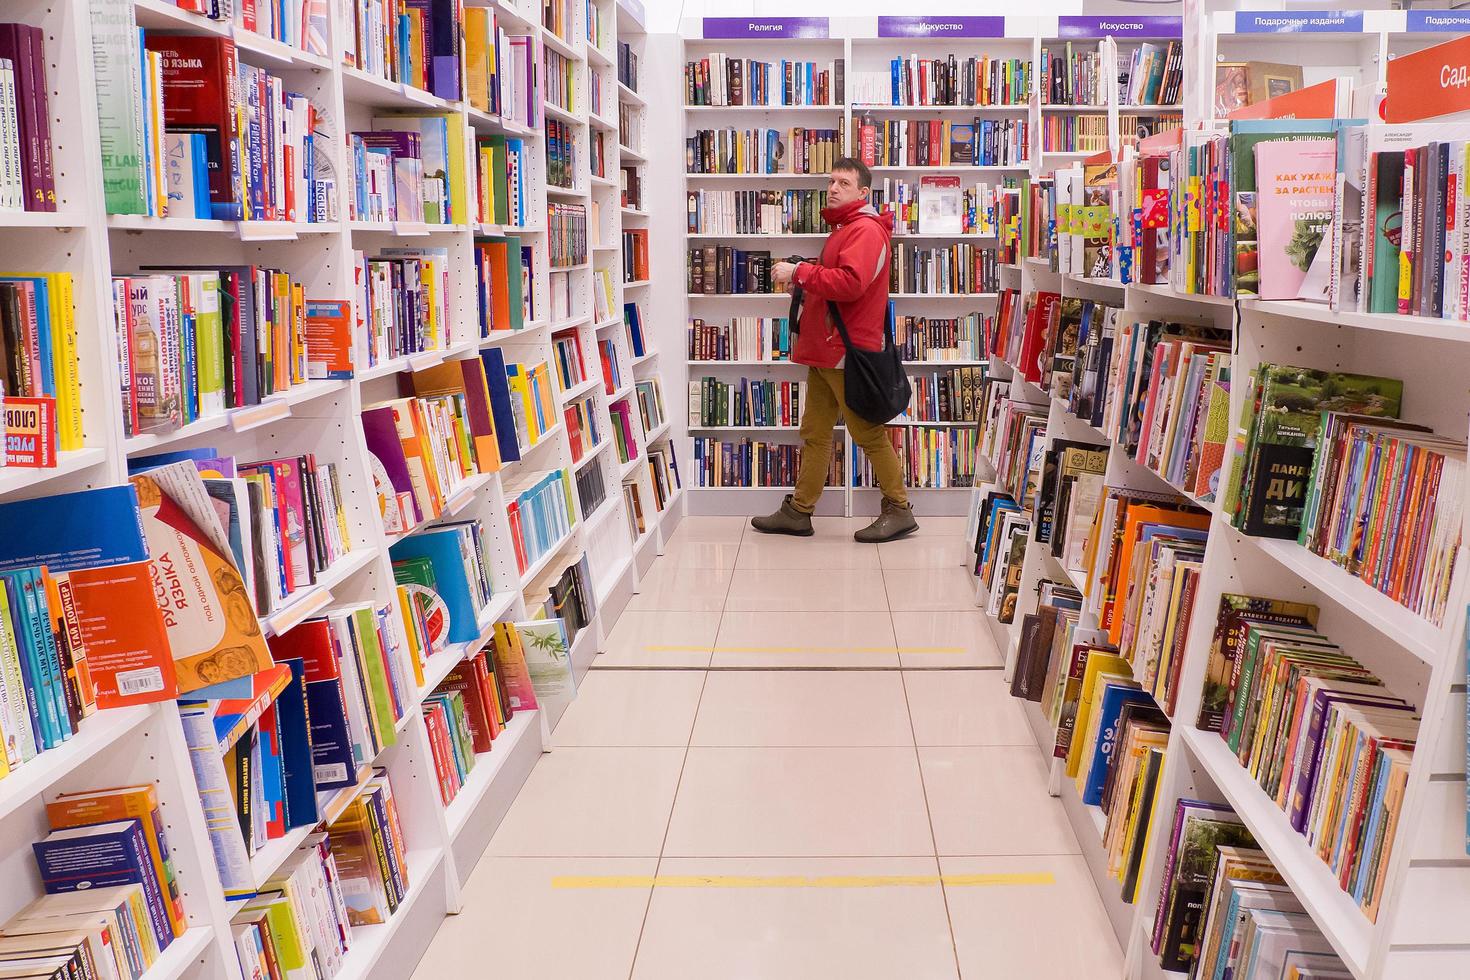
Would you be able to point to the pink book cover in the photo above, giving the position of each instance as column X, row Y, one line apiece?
column 1296, row 183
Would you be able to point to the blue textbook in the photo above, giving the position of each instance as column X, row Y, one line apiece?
column 87, row 529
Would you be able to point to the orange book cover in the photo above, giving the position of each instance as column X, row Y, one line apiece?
column 500, row 314
column 1136, row 517
column 410, row 426
column 213, row 631
column 115, row 615
column 451, row 378
column 126, row 803
column 328, row 339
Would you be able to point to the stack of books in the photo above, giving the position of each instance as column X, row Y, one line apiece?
column 564, row 593
column 417, row 45
column 624, row 429
column 566, row 234
column 650, row 403
column 663, row 473
column 503, row 284
column 500, row 184
column 409, row 168
column 562, row 143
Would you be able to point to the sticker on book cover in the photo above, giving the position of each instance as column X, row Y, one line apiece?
column 144, row 680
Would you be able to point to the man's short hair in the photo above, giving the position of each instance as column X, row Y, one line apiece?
column 864, row 175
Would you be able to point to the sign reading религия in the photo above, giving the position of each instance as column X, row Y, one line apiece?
column 1298, row 22
column 941, row 27
column 729, row 28
column 1105, row 26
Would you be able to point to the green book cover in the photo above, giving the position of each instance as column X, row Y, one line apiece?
column 1282, row 449
column 115, row 63
column 372, row 657
column 210, row 343
column 1388, row 219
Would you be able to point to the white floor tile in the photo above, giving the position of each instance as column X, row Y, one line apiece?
column 592, row 802
column 650, row 638
column 992, row 800
column 775, row 552
column 797, row 707
column 848, row 921
column 794, row 802
column 926, row 589
column 673, row 589
column 1019, row 926
column 700, row 554
column 709, row 529
column 965, row 707
column 944, row 638
column 832, row 589
column 822, row 638
column 631, row 707
column 923, row 551
column 517, row 912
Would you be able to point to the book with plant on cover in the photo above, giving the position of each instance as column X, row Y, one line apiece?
column 1296, row 188
column 548, row 662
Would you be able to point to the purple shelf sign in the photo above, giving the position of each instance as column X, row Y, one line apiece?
column 1298, row 22
column 1145, row 27
column 731, row 28
column 941, row 27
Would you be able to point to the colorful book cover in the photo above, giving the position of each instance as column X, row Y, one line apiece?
column 103, row 855
column 328, row 339
column 67, row 531
column 213, row 630
column 511, row 668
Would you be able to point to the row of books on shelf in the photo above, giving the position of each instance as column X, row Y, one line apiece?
column 960, row 269
column 633, row 321
column 756, row 212
column 541, row 514
column 663, row 472
column 409, row 168
column 1073, row 76
column 1074, row 133
column 628, row 65
column 942, row 142
column 27, row 168
column 939, row 339
column 939, row 205
column 612, row 368
column 641, row 508
column 557, row 16
column 504, row 283
column 932, row 458
column 744, row 338
column 566, row 233
column 571, row 368
column 560, row 73
column 501, row 180
column 402, row 305
column 725, row 270
column 755, row 463
column 754, row 402
column 419, row 45
column 301, row 24
column 945, row 395
column 630, row 186
column 635, row 256
column 650, row 396
column 563, row 150
column 1382, row 498
column 585, row 433
column 1154, row 75
column 40, row 388
column 723, row 80
column 913, row 80
column 625, row 432
column 798, row 150
column 190, row 132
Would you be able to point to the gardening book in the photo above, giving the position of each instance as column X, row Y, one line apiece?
column 1296, row 186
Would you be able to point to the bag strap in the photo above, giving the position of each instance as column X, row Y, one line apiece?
column 836, row 316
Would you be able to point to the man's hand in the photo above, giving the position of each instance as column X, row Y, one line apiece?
column 782, row 272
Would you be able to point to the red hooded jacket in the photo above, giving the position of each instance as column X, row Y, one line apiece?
column 854, row 273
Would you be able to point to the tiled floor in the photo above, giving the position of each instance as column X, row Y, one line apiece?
column 796, row 760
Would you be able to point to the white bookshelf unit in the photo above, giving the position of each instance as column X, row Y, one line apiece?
column 865, row 46
column 146, row 744
column 1418, row 932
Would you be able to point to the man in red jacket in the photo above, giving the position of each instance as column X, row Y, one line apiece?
column 853, row 273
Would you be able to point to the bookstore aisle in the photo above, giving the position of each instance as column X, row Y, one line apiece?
column 778, row 773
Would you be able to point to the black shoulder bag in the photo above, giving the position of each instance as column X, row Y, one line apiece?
column 874, row 383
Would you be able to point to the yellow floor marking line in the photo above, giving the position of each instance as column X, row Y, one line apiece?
column 800, row 881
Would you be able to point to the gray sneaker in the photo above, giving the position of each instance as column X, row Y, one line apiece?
column 786, row 520
column 893, row 523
